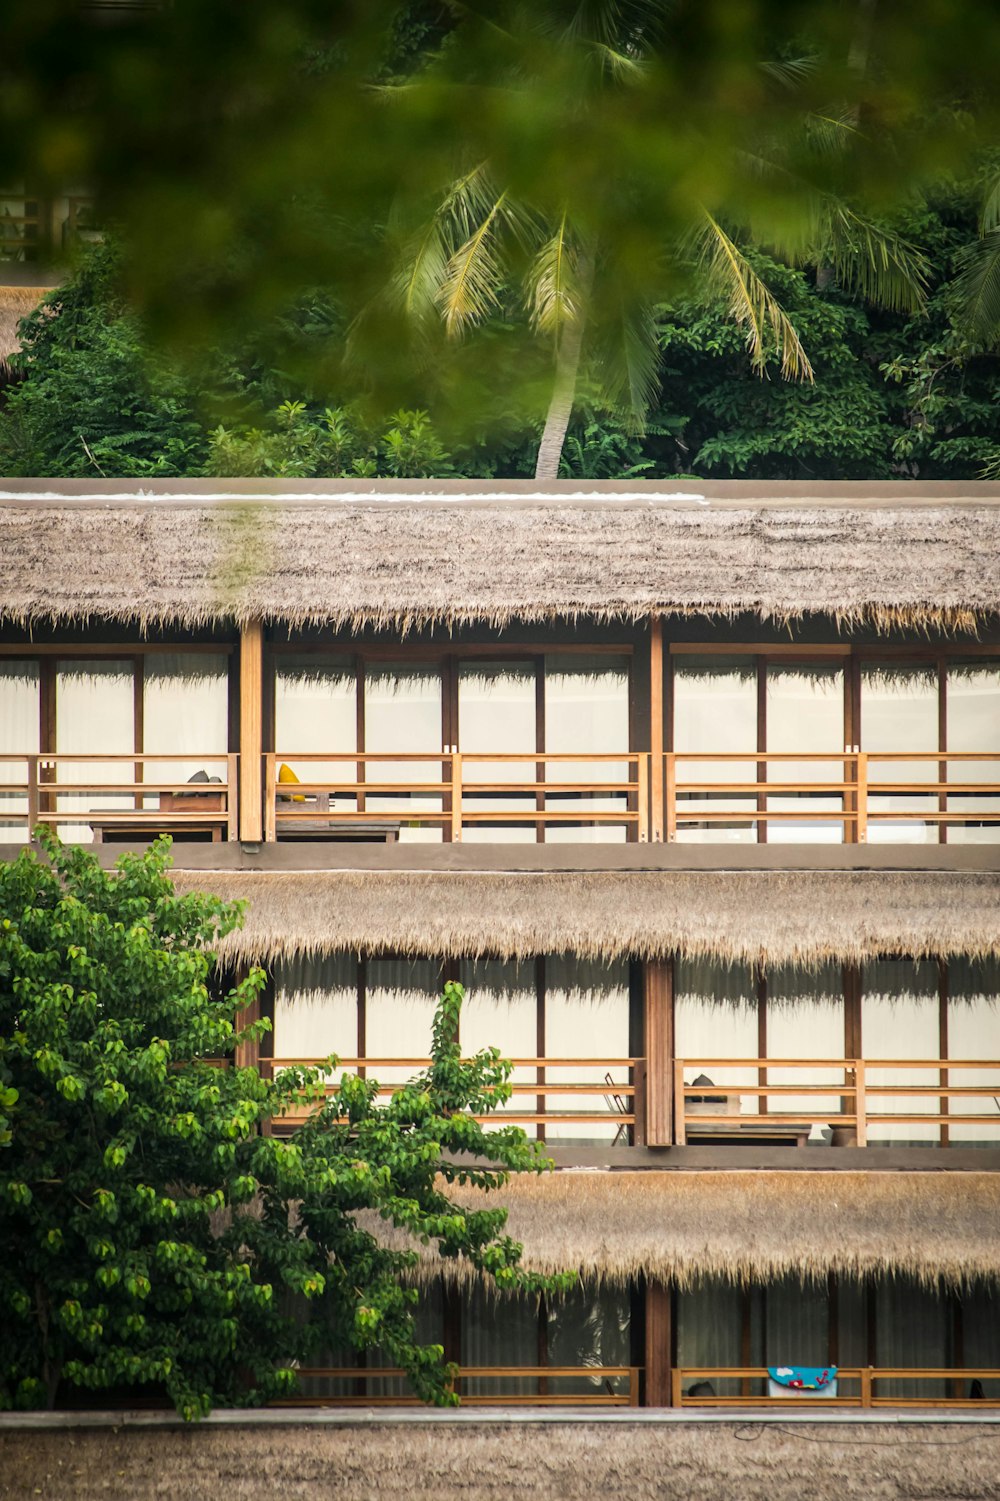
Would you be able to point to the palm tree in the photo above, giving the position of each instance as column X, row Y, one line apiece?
column 481, row 241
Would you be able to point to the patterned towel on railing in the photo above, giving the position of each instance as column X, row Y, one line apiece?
column 803, row 1378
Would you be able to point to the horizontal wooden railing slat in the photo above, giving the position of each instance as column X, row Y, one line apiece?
column 866, row 1378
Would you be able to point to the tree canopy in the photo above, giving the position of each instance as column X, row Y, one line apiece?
column 153, row 1238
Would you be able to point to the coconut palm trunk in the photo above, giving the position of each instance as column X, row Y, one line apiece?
column 561, row 405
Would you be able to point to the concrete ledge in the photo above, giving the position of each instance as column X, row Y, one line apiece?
column 564, row 858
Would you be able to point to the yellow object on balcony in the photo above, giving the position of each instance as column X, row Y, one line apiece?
column 287, row 775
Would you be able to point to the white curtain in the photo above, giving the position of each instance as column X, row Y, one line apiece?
column 19, row 724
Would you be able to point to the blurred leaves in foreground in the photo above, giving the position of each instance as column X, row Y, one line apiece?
column 249, row 153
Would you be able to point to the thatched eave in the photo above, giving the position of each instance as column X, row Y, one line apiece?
column 800, row 917
column 746, row 1226
column 398, row 560
column 15, row 303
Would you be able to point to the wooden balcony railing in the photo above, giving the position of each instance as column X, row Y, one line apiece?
column 865, row 794
column 862, row 1383
column 606, row 1384
column 120, row 796
column 846, row 1098
column 454, row 791
column 615, row 1100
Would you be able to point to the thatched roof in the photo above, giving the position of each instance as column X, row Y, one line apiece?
column 390, row 558
column 801, row 917
column 15, row 304
column 424, row 1454
column 747, row 1226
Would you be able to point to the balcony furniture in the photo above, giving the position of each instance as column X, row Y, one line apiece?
column 146, row 826
column 749, row 1133
column 313, row 830
column 616, row 1105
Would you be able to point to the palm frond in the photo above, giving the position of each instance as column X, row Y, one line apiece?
column 752, row 305
column 630, row 364
column 990, row 216
column 789, row 71
column 416, row 283
column 618, row 65
column 874, row 262
column 552, row 284
column 978, row 287
column 470, row 287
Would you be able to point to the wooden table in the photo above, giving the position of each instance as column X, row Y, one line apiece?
column 717, row 1133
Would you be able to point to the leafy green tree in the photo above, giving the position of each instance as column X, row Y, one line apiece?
column 97, row 401
column 151, row 1237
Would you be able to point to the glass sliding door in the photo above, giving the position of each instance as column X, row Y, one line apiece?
column 974, row 1033
column 402, row 709
column 400, row 998
column 501, row 1011
column 900, row 712
column 973, row 724
column 715, row 713
column 315, row 1007
column 95, row 715
column 497, row 715
column 805, row 1019
column 900, row 1019
column 316, row 712
column 805, row 716
column 716, row 1016
column 185, row 712
column 19, row 727
column 586, row 712
column 587, row 1016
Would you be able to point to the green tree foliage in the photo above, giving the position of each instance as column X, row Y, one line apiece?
column 97, row 400
column 151, row 1238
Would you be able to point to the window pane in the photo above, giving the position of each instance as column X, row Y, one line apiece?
column 899, row 712
column 796, row 1323
column 805, row 715
column 981, row 1333
column 715, row 712
column 586, row 711
column 496, row 713
column 587, row 1016
column 912, row 1325
column 316, row 711
column 18, row 737
column 95, row 714
column 900, row 1019
column 974, row 725
column 974, row 1033
column 499, row 1332
column 403, row 717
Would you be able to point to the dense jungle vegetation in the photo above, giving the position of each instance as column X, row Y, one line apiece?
column 893, row 396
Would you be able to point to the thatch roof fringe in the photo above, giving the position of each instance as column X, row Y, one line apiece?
column 777, row 917
column 399, row 563
column 747, row 1226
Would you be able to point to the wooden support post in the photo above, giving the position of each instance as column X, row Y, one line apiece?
column 861, row 1102
column 33, row 801
column 656, row 820
column 861, row 778
column 659, row 1035
column 659, row 1339
column 251, row 730
column 247, row 1054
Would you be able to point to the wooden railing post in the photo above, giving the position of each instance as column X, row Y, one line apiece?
column 270, row 799
column 676, row 1387
column 680, row 1124
column 866, row 1386
column 232, row 796
column 670, row 822
column 860, row 1103
column 861, row 782
column 33, row 801
column 642, row 796
column 659, row 1341
column 640, row 1132
column 456, row 797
